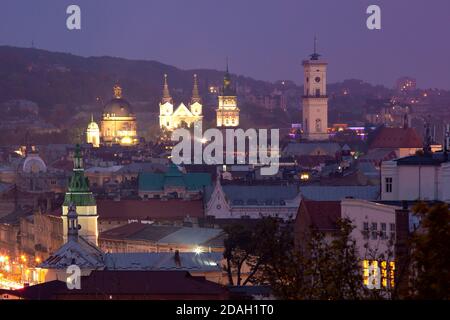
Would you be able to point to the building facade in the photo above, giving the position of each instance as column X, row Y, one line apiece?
column 171, row 119
column 419, row 177
column 227, row 113
column 315, row 99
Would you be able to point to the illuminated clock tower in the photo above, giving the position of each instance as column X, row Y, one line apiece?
column 227, row 113
column 315, row 99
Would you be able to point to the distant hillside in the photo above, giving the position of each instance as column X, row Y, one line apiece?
column 49, row 78
column 64, row 85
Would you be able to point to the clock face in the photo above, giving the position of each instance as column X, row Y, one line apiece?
column 317, row 79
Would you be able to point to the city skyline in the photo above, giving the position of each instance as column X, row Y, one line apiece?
column 265, row 46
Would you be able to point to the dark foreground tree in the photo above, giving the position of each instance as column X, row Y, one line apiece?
column 430, row 253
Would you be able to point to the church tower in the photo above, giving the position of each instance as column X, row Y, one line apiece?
column 81, row 197
column 227, row 112
column 166, row 107
column 196, row 100
column 93, row 133
column 315, row 99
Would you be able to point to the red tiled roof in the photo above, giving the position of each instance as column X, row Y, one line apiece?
column 149, row 209
column 321, row 215
column 396, row 138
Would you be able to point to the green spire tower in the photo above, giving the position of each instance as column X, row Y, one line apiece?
column 80, row 196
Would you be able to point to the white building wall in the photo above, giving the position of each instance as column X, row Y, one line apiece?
column 362, row 211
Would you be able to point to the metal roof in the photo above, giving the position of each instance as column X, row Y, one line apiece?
column 335, row 193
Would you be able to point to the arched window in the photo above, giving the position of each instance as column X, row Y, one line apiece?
column 318, row 125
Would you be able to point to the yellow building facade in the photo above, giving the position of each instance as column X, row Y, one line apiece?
column 170, row 118
column 118, row 125
column 93, row 133
column 315, row 99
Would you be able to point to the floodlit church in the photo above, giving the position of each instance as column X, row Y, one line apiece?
column 118, row 125
column 227, row 113
column 315, row 99
column 171, row 119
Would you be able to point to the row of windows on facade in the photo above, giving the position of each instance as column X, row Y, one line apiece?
column 385, row 270
column 374, row 233
column 317, row 93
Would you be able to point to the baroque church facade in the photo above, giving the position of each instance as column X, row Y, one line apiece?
column 170, row 118
column 118, row 124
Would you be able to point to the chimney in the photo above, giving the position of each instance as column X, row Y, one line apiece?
column 401, row 249
column 177, row 258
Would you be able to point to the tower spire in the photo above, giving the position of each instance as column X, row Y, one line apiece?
column 166, row 94
column 195, row 93
column 117, row 91
column 315, row 55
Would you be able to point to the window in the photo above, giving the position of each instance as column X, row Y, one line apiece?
column 366, row 230
column 392, row 230
column 383, row 231
column 388, row 184
column 374, row 230
column 317, row 92
column 318, row 125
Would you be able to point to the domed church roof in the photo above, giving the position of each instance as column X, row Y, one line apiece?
column 118, row 107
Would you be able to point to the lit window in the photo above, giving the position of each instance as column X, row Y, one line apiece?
column 385, row 270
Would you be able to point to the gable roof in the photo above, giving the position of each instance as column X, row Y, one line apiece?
column 396, row 138
column 194, row 236
column 81, row 252
column 149, row 209
column 320, row 215
column 103, row 284
column 182, row 110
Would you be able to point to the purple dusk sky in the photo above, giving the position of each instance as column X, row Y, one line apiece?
column 264, row 39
